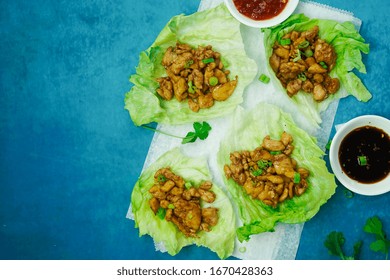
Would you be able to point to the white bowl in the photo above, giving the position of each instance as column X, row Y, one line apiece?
column 377, row 188
column 287, row 11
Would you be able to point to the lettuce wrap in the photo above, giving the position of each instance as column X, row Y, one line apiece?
column 246, row 133
column 214, row 27
column 194, row 170
column 348, row 45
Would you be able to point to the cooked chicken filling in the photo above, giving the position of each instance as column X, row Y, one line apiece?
column 269, row 173
column 195, row 75
column 302, row 61
column 180, row 203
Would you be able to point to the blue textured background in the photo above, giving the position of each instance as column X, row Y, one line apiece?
column 69, row 154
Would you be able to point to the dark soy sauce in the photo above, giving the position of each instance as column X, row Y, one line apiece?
column 371, row 143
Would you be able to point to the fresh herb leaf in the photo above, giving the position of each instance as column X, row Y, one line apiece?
column 160, row 131
column 381, row 244
column 334, row 243
column 190, row 137
column 356, row 249
column 201, row 131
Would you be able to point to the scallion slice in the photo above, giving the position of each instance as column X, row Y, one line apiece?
column 285, row 42
column 213, row 81
column 297, row 178
column 298, row 57
column 309, row 53
column 161, row 213
column 303, row 45
column 362, row 160
column 208, row 60
column 264, row 79
column 323, row 64
column 188, row 185
column 191, row 87
column 302, row 77
column 161, row 178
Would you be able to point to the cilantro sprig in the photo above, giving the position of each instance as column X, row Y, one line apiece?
column 334, row 243
column 201, row 131
column 335, row 240
column 381, row 244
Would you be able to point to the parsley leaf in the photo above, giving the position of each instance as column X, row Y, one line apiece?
column 381, row 244
column 334, row 243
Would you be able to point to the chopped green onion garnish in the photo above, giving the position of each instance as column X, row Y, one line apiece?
column 191, row 87
column 224, row 62
column 302, row 77
column 264, row 79
column 303, row 45
column 208, row 60
column 323, row 64
column 348, row 193
column 188, row 63
column 161, row 178
column 264, row 164
column 171, row 206
column 328, row 144
column 298, row 57
column 242, row 249
column 257, row 172
column 308, row 53
column 188, row 185
column 189, row 216
column 213, row 81
column 362, row 160
column 285, row 42
column 161, row 213
column 274, row 153
column 297, row 178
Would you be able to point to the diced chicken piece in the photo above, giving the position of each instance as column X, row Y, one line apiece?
column 272, row 145
column 224, row 91
column 319, row 92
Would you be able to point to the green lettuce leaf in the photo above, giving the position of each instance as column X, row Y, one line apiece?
column 214, row 27
column 195, row 170
column 247, row 132
column 348, row 44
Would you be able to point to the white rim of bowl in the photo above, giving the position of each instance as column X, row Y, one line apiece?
column 378, row 188
column 287, row 11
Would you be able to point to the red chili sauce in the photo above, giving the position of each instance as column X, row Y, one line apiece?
column 260, row 9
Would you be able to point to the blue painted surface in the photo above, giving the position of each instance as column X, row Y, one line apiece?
column 69, row 154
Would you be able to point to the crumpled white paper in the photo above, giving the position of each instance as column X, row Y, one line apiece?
column 282, row 244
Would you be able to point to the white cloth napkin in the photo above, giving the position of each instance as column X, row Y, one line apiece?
column 283, row 243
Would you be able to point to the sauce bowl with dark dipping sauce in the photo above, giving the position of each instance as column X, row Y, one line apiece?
column 261, row 13
column 360, row 155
